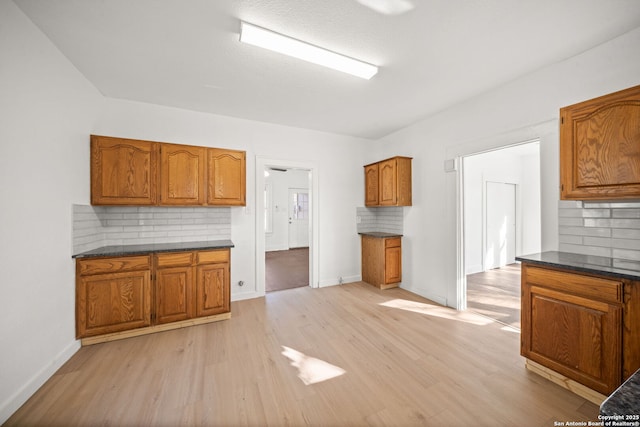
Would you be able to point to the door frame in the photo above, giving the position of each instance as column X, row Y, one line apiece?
column 457, row 166
column 314, row 247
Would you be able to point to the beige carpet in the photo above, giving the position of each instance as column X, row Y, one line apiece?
column 496, row 294
column 287, row 269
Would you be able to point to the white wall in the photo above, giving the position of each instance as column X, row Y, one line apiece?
column 47, row 110
column 524, row 109
column 278, row 239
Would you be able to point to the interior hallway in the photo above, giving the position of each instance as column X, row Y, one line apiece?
column 286, row 269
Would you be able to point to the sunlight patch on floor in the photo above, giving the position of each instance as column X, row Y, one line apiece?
column 310, row 369
column 438, row 311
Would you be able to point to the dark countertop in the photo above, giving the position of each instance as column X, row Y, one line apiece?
column 603, row 266
column 378, row 234
column 625, row 400
column 123, row 250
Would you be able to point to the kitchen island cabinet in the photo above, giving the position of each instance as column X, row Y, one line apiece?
column 125, row 291
column 580, row 321
column 382, row 259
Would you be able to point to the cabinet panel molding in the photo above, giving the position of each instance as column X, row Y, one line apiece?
column 112, row 302
column 226, row 177
column 182, row 175
column 600, row 147
column 123, row 171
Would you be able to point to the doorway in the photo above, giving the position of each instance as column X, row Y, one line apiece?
column 287, row 219
column 501, row 220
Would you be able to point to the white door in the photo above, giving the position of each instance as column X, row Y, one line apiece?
column 500, row 241
column 298, row 218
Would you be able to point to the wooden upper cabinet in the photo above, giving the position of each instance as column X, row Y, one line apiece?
column 371, row 185
column 137, row 173
column 600, row 148
column 226, row 177
column 123, row 171
column 393, row 186
column 182, row 175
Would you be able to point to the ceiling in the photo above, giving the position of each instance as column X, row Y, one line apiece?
column 186, row 53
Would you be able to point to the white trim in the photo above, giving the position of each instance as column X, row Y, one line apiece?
column 17, row 399
column 314, row 251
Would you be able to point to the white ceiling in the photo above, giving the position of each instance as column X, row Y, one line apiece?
column 186, row 53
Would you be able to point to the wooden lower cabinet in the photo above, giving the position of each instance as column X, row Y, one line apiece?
column 574, row 324
column 382, row 261
column 212, row 292
column 112, row 295
column 117, row 297
column 173, row 287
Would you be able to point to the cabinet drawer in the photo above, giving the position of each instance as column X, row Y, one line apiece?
column 113, row 264
column 206, row 257
column 174, row 259
column 392, row 242
column 592, row 287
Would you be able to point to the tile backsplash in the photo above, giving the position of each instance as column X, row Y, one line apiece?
column 602, row 229
column 383, row 219
column 95, row 226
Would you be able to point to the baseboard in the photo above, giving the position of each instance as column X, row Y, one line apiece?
column 564, row 382
column 13, row 403
column 472, row 269
column 345, row 279
column 428, row 295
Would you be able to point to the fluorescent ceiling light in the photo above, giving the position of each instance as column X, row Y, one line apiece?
column 267, row 39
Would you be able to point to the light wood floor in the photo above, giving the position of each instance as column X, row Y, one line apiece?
column 407, row 362
column 496, row 293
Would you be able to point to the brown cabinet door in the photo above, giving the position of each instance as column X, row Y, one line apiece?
column 371, row 185
column 392, row 265
column 213, row 289
column 388, row 183
column 123, row 171
column 112, row 302
column 226, row 177
column 576, row 336
column 600, row 147
column 174, row 294
column 182, row 175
